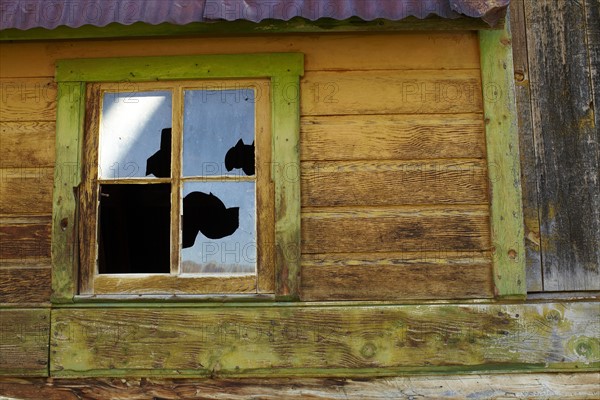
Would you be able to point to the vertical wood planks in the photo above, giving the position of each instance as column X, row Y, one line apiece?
column 503, row 163
column 69, row 131
column 563, row 62
column 529, row 175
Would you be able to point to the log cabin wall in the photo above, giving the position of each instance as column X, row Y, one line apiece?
column 345, row 84
column 392, row 149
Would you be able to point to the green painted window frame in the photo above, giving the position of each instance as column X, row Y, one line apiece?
column 283, row 70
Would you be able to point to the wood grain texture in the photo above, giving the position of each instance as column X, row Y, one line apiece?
column 172, row 284
column 566, row 136
column 391, row 229
column 24, row 337
column 26, row 191
column 407, row 50
column 529, row 174
column 379, row 183
column 328, row 340
column 27, row 144
column 533, row 386
column 389, row 92
column 286, row 180
column 152, row 68
column 25, row 241
column 391, row 283
column 25, row 285
column 27, row 99
column 69, row 132
column 502, row 139
column 385, row 137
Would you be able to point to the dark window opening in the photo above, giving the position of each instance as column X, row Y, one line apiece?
column 134, row 228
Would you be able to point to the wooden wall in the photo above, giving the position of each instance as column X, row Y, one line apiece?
column 557, row 65
column 394, row 178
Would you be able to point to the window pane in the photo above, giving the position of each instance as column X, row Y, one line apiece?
column 135, row 135
column 134, row 229
column 218, row 228
column 218, row 132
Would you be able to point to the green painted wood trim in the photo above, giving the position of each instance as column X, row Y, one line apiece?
column 233, row 28
column 285, row 91
column 284, row 70
column 325, row 341
column 502, row 142
column 67, row 176
column 138, row 69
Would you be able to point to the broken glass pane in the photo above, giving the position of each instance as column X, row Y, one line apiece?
column 135, row 135
column 218, row 132
column 218, row 228
column 134, row 228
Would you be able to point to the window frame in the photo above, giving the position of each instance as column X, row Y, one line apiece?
column 283, row 70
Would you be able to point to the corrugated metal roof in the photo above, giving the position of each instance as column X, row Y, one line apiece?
column 27, row 14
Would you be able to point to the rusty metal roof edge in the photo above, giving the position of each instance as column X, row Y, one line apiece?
column 50, row 14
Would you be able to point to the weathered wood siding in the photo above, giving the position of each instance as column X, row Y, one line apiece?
column 329, row 340
column 557, row 64
column 532, row 386
column 394, row 175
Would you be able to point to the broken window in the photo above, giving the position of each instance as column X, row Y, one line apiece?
column 174, row 192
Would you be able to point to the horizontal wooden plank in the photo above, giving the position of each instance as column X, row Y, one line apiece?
column 25, row 285
column 391, row 92
column 26, row 191
column 27, row 99
column 27, row 144
column 327, row 340
column 24, row 339
column 25, row 242
column 384, row 137
column 171, row 284
column 398, row 230
column 533, row 386
column 383, row 276
column 377, row 183
column 421, row 279
column 409, row 50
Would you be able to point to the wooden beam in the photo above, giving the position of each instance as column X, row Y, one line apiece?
column 320, row 340
column 533, row 386
column 529, row 172
column 69, row 135
column 503, row 163
column 285, row 97
column 143, row 69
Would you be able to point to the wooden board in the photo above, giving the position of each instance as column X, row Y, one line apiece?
column 386, row 137
column 397, row 276
column 566, row 135
column 27, row 144
column 25, row 285
column 529, row 173
column 395, row 229
column 27, row 99
column 533, row 386
column 24, row 342
column 385, row 92
column 380, row 183
column 408, row 50
column 26, row 191
column 25, row 240
column 502, row 139
column 328, row 340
